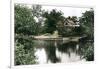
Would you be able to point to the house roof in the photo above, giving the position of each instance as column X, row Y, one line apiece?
column 69, row 22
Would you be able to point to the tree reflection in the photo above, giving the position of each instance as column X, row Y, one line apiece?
column 57, row 51
column 51, row 52
column 68, row 47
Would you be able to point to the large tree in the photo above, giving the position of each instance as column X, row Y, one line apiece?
column 25, row 25
column 37, row 13
column 24, row 20
column 52, row 19
column 87, row 23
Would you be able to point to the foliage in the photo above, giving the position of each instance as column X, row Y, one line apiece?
column 37, row 13
column 87, row 28
column 24, row 21
column 25, row 25
column 51, row 20
column 87, row 23
column 87, row 50
column 24, row 55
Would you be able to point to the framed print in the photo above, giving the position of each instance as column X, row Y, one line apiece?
column 44, row 34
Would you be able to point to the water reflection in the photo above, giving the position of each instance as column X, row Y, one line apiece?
column 57, row 51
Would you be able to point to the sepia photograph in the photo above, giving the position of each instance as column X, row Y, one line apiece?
column 50, row 34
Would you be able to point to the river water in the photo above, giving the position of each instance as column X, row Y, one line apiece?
column 59, row 51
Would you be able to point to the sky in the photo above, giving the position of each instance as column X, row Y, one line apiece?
column 67, row 11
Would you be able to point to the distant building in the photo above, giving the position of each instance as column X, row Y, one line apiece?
column 68, row 23
column 71, row 23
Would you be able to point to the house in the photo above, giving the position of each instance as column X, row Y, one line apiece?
column 68, row 23
column 71, row 23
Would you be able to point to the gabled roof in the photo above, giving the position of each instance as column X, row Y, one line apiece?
column 70, row 23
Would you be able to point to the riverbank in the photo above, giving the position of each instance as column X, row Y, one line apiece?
column 56, row 38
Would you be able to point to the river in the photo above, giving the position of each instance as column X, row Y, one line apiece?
column 60, row 51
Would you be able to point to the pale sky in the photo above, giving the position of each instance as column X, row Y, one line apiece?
column 68, row 11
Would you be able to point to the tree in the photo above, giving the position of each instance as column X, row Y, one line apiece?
column 51, row 20
column 87, row 29
column 37, row 13
column 87, row 23
column 24, row 28
column 24, row 21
